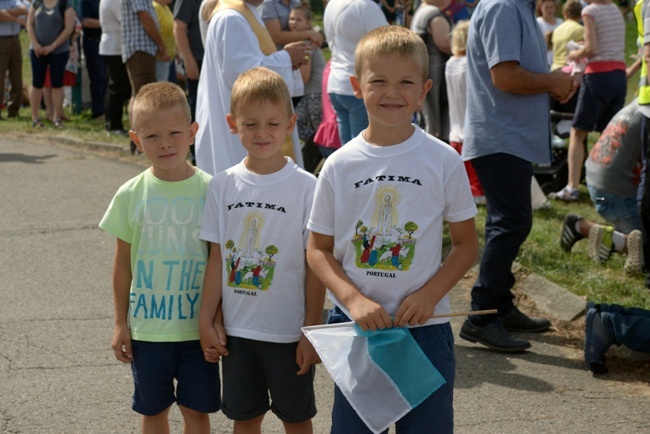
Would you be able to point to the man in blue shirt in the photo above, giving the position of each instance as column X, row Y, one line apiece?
column 507, row 128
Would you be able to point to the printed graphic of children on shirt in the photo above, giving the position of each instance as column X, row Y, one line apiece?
column 247, row 265
column 385, row 244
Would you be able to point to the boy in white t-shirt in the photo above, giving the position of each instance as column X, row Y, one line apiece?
column 158, row 267
column 377, row 221
column 257, row 283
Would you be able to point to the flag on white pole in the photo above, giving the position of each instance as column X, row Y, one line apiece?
column 384, row 374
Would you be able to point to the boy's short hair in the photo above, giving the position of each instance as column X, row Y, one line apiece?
column 305, row 7
column 154, row 97
column 392, row 40
column 572, row 9
column 260, row 85
column 459, row 38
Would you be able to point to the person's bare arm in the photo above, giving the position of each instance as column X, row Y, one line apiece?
column 589, row 44
column 440, row 30
column 306, row 355
column 366, row 312
column 91, row 23
column 183, row 44
column 212, row 336
column 122, row 277
column 511, row 77
column 150, row 27
column 283, row 37
column 418, row 307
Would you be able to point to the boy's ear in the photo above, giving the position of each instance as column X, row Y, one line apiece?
column 292, row 123
column 231, row 123
column 135, row 139
column 194, row 128
column 356, row 86
column 426, row 86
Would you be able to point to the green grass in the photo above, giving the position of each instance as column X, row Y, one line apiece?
column 541, row 253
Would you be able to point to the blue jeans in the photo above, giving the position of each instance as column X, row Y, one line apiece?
column 436, row 413
column 97, row 74
column 627, row 326
column 506, row 182
column 351, row 115
column 621, row 211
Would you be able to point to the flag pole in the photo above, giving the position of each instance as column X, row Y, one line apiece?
column 444, row 315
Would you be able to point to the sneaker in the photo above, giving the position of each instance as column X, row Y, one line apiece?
column 494, row 336
column 601, row 246
column 596, row 340
column 634, row 260
column 570, row 235
column 567, row 194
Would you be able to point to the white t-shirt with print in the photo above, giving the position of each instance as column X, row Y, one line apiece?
column 260, row 222
column 385, row 207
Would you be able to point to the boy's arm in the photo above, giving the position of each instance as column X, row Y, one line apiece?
column 367, row 313
column 418, row 307
column 306, row 355
column 211, row 338
column 121, row 288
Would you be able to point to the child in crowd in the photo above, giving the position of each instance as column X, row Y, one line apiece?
column 400, row 184
column 547, row 22
column 309, row 109
column 257, row 283
column 456, row 79
column 569, row 30
column 159, row 265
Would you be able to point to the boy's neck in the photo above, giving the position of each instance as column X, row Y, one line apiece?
column 387, row 136
column 265, row 166
column 176, row 175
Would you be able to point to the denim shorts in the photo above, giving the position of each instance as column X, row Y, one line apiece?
column 436, row 413
column 56, row 62
column 254, row 369
column 600, row 97
column 155, row 366
column 622, row 212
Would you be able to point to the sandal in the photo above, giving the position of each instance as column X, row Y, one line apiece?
column 36, row 123
column 58, row 124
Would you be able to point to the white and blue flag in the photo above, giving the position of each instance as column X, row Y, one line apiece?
column 384, row 374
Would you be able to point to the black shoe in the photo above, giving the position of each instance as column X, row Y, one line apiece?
column 516, row 321
column 494, row 336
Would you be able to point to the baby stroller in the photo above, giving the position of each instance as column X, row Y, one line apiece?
column 554, row 176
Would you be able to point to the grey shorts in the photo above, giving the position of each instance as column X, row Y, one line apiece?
column 254, row 370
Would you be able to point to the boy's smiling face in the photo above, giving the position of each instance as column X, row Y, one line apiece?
column 392, row 88
column 263, row 128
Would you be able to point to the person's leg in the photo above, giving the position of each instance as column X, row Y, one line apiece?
column 119, row 92
column 305, row 427
column 644, row 202
column 157, row 424
column 436, row 413
column 342, row 116
column 39, row 68
column 358, row 116
column 250, row 426
column 576, row 156
column 57, row 70
column 627, row 326
column 16, row 79
column 5, row 51
column 195, row 422
column 97, row 74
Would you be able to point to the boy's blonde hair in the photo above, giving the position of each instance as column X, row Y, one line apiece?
column 154, row 97
column 459, row 38
column 392, row 40
column 259, row 85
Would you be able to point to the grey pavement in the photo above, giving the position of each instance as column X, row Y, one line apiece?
column 58, row 373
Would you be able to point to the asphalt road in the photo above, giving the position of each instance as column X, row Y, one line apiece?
column 58, row 373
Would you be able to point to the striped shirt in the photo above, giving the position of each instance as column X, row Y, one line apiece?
column 134, row 37
column 610, row 32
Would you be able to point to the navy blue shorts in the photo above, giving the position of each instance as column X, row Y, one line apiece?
column 436, row 413
column 601, row 96
column 156, row 365
column 57, row 64
column 253, row 369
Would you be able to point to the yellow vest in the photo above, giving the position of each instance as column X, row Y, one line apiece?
column 266, row 45
column 644, row 86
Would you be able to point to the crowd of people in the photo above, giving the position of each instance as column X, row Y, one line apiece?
column 420, row 114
